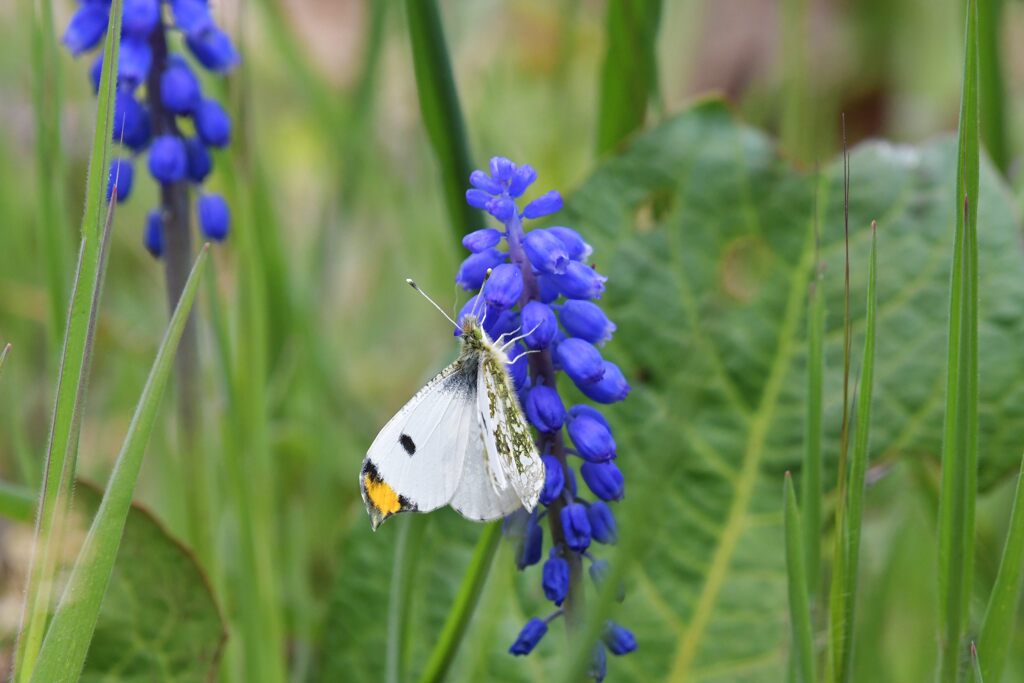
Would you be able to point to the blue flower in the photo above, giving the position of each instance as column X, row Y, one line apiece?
column 539, row 324
column 133, row 62
column 546, row 251
column 580, row 282
column 480, row 240
column 168, row 160
column 213, row 49
column 555, row 579
column 604, row 479
column 474, row 269
column 603, row 528
column 554, row 479
column 599, row 664
column 153, row 236
column 529, row 637
column 131, row 122
column 214, row 216
column 544, row 205
column 576, row 526
column 580, row 360
column 531, row 545
column 212, row 123
column 192, row 17
column 578, row 249
column 619, row 640
column 611, row 388
column 140, row 17
column 544, row 409
column 179, row 87
column 586, row 320
column 122, row 173
column 593, row 439
column 87, row 27
column 504, row 286
column 199, row 161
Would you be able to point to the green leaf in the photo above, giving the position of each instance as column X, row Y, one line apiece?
column 629, row 75
column 160, row 620
column 998, row 625
column 439, row 107
column 811, row 490
column 70, row 632
column 799, row 603
column 960, row 436
column 707, row 238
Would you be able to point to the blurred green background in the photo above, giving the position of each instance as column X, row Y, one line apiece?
column 310, row 339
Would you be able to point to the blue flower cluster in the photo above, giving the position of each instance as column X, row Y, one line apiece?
column 159, row 96
column 541, row 284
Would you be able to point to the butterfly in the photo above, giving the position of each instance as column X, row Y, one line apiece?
column 462, row 440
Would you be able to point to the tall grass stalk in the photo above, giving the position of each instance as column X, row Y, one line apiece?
column 991, row 84
column 79, row 331
column 960, row 435
column 799, row 602
column 811, row 483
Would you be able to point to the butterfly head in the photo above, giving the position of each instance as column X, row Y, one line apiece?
column 472, row 332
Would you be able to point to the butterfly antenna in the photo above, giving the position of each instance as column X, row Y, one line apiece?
column 440, row 310
column 480, row 298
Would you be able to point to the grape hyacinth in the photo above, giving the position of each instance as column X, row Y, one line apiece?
column 543, row 286
column 159, row 107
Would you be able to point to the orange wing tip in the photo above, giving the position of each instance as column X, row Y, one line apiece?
column 382, row 501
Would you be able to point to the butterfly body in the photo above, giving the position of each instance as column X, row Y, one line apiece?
column 462, row 440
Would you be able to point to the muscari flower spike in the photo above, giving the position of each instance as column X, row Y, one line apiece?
column 159, row 99
column 539, row 282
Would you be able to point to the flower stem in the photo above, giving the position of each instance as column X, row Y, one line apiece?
column 174, row 206
column 542, row 369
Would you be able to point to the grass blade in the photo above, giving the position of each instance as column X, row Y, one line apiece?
column 410, row 535
column 1000, row 615
column 799, row 603
column 991, row 86
column 67, row 639
column 811, row 486
column 3, row 354
column 629, row 76
column 442, row 114
column 960, row 434
column 465, row 602
column 858, row 464
column 976, row 668
column 59, row 468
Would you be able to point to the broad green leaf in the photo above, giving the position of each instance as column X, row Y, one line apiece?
column 159, row 620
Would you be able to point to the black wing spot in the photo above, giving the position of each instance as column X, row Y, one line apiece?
column 407, row 443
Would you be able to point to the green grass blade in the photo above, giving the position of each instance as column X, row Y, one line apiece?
column 410, row 536
column 859, row 463
column 960, row 434
column 59, row 468
column 629, row 76
column 3, row 354
column 811, row 483
column 67, row 639
column 465, row 602
column 976, row 667
column 442, row 114
column 799, row 603
column 991, row 85
column 997, row 628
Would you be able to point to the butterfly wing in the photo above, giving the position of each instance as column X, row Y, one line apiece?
column 511, row 454
column 478, row 496
column 416, row 461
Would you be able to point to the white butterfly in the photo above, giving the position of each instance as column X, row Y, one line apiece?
column 461, row 441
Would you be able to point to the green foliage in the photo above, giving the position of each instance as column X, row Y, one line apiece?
column 156, row 589
column 802, row 644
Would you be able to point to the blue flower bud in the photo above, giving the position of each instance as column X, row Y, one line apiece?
column 619, row 640
column 519, row 367
column 133, row 62
column 544, row 205
column 139, row 17
column 586, row 320
column 179, row 88
column 501, row 208
column 214, row 216
column 545, row 251
column 153, row 236
column 192, row 17
column 482, row 239
column 529, row 637
column 474, row 268
column 86, row 28
column 554, row 479
column 521, row 179
column 611, row 388
column 498, row 322
column 570, row 482
column 602, row 522
column 212, row 123
column 477, row 198
column 547, row 288
column 502, row 169
column 580, row 281
column 576, row 526
column 544, row 409
column 504, row 286
column 199, row 161
column 580, row 360
column 168, row 161
column 95, row 73
column 122, row 172
column 532, row 544
column 574, row 244
column 482, row 181
column 539, row 325
column 583, row 410
column 593, row 440
column 213, row 49
column 599, row 664
column 604, row 479
column 555, row 577
column 131, row 121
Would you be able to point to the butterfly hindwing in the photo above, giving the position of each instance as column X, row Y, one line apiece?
column 511, row 454
column 416, row 461
column 477, row 496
